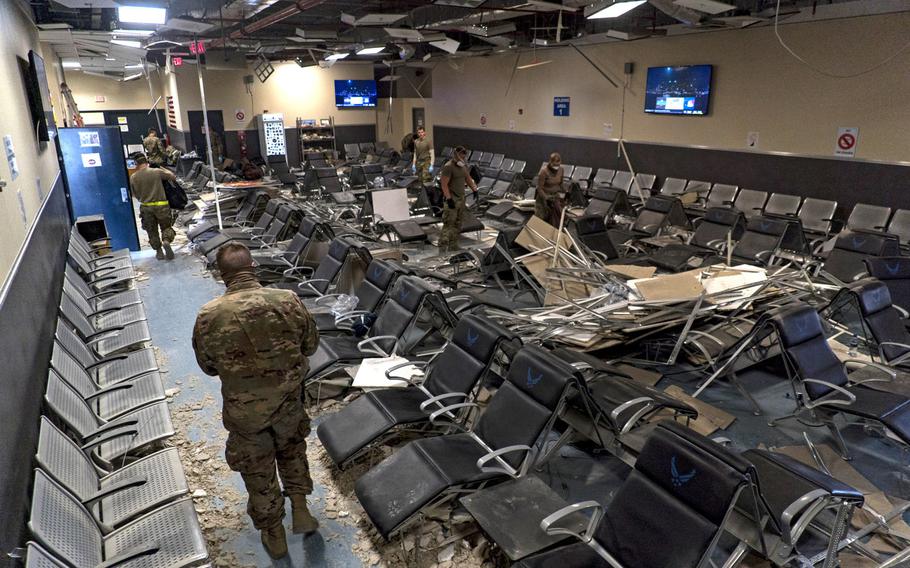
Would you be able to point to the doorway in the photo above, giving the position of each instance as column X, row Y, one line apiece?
column 418, row 118
column 197, row 129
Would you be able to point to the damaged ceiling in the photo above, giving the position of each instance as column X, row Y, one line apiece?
column 408, row 32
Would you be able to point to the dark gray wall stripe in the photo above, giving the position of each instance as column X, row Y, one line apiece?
column 846, row 181
column 28, row 316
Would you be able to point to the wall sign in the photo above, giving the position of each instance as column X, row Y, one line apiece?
column 239, row 115
column 11, row 156
column 561, row 106
column 752, row 140
column 91, row 160
column 483, row 119
column 847, row 138
column 100, row 98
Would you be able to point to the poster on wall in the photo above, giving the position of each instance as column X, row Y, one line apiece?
column 752, row 140
column 91, row 160
column 847, row 138
column 11, row 156
column 89, row 139
column 483, row 119
column 121, row 120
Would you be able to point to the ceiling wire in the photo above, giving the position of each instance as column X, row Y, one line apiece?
column 828, row 73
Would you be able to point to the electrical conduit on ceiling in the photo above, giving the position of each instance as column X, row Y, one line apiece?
column 273, row 18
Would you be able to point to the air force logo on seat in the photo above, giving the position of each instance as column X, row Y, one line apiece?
column 679, row 479
column 472, row 337
column 532, row 380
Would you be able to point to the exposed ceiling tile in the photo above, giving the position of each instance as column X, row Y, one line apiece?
column 707, row 6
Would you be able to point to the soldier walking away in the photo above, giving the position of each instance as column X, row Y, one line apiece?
column 548, row 200
column 154, row 211
column 453, row 178
column 154, row 148
column 424, row 156
column 257, row 341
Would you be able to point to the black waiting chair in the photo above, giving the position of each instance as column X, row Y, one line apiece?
column 750, row 202
column 721, row 195
column 452, row 376
column 388, row 334
column 602, row 178
column 822, row 386
column 900, row 226
column 761, row 240
column 888, row 329
column 500, row 444
column 673, row 186
column 658, row 213
column 381, row 276
column 782, row 204
column 846, row 261
column 592, row 234
column 894, row 271
column 717, row 227
column 681, row 494
column 817, row 216
column 316, row 282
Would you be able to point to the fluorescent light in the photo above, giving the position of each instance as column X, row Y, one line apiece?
column 72, row 65
column 134, row 66
column 131, row 77
column 370, row 50
column 336, row 56
column 614, row 9
column 142, row 15
column 137, row 33
column 127, row 43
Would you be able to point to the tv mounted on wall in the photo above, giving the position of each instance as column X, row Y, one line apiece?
column 678, row 90
column 39, row 96
column 355, row 94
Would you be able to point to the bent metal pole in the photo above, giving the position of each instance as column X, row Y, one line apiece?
column 208, row 142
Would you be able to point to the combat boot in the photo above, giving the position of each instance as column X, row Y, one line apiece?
column 168, row 251
column 159, row 254
column 304, row 521
column 275, row 541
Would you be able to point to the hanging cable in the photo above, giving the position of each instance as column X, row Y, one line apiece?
column 822, row 71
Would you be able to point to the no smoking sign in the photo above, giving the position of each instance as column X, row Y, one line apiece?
column 846, row 142
column 239, row 115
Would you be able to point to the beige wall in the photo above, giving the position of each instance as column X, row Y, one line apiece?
column 37, row 162
column 129, row 95
column 757, row 87
column 292, row 90
column 392, row 130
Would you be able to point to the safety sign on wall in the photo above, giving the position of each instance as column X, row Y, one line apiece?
column 561, row 106
column 239, row 115
column 847, row 138
column 483, row 120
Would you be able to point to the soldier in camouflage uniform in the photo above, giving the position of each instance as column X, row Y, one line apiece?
column 424, row 155
column 257, row 341
column 154, row 148
column 453, row 178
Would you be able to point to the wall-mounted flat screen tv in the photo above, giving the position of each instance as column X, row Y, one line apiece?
column 39, row 97
column 355, row 94
column 678, row 90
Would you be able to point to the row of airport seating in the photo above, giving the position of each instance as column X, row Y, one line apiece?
column 106, row 491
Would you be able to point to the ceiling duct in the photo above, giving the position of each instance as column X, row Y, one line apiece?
column 266, row 21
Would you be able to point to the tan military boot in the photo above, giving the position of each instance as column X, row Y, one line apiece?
column 159, row 254
column 168, row 251
column 304, row 521
column 275, row 541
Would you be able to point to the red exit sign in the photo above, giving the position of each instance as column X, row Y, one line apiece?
column 197, row 47
column 178, row 61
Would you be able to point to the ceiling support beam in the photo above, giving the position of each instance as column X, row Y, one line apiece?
column 266, row 21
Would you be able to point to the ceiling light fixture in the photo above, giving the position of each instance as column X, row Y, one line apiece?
column 127, row 43
column 131, row 77
column 611, row 8
column 534, row 64
column 142, row 15
column 134, row 66
column 137, row 33
column 336, row 56
column 72, row 65
column 370, row 50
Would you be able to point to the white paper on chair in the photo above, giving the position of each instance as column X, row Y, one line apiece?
column 742, row 277
column 371, row 373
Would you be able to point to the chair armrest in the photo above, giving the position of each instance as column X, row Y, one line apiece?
column 319, row 301
column 374, row 348
column 291, row 271
column 418, row 364
column 437, row 398
column 309, row 284
column 106, row 435
column 105, row 361
column 107, row 390
column 341, row 318
column 851, row 398
column 506, row 468
column 114, row 488
column 102, row 334
column 648, row 403
column 130, row 554
column 597, row 513
column 790, row 530
column 447, row 411
column 892, row 374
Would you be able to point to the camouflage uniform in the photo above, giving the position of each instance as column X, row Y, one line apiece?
column 452, row 217
column 217, row 146
column 257, row 340
column 154, row 211
column 154, row 150
column 422, row 159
